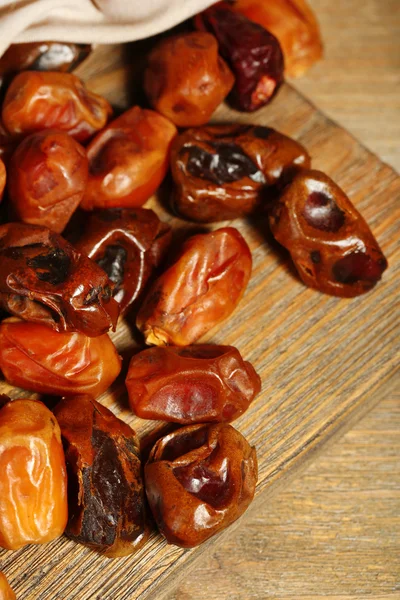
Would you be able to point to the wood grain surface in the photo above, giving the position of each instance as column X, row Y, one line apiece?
column 313, row 352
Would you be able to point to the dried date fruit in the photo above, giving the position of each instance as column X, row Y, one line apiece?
column 3, row 178
column 45, row 280
column 6, row 593
column 39, row 100
column 201, row 289
column 294, row 24
column 33, row 481
column 331, row 245
column 253, row 53
column 195, row 384
column 36, row 358
column 199, row 479
column 48, row 176
column 128, row 160
column 223, row 171
column 128, row 244
column 105, row 489
column 186, row 79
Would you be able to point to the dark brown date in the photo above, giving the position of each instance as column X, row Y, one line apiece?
column 195, row 384
column 128, row 245
column 45, row 280
column 331, row 245
column 201, row 289
column 105, row 489
column 185, row 79
column 48, row 174
column 224, row 171
column 253, row 53
column 199, row 479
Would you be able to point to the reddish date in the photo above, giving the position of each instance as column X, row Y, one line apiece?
column 3, row 178
column 6, row 593
column 45, row 280
column 201, row 289
column 224, row 171
column 128, row 244
column 331, row 245
column 105, row 489
column 186, row 79
column 195, row 384
column 128, row 160
column 253, row 53
column 36, row 358
column 39, row 100
column 207, row 473
column 48, row 176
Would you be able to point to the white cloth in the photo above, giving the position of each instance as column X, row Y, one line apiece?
column 91, row 21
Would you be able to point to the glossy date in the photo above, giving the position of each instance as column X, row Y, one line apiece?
column 194, row 384
column 48, row 174
column 201, row 289
column 6, row 593
column 207, row 473
column 331, row 245
column 105, row 489
column 224, row 171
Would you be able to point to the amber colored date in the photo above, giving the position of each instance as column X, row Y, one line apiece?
column 48, row 174
column 45, row 280
column 199, row 479
column 105, row 489
column 294, row 24
column 331, row 245
column 253, row 53
column 3, row 178
column 128, row 160
column 128, row 244
column 186, row 79
column 36, row 358
column 201, row 289
column 39, row 100
column 195, row 384
column 226, row 171
column 6, row 593
column 33, row 482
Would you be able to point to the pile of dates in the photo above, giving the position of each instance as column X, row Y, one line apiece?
column 69, row 167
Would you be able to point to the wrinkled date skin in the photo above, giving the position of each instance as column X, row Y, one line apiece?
column 195, row 384
column 33, row 479
column 36, row 358
column 201, row 289
column 6, row 593
column 253, row 53
column 128, row 160
column 39, row 100
column 48, row 176
column 331, row 245
column 105, row 489
column 128, row 244
column 186, row 79
column 223, row 171
column 45, row 280
column 199, row 479
column 294, row 24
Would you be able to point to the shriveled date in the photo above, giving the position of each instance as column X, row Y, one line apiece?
column 201, row 289
column 6, row 593
column 105, row 490
column 39, row 100
column 45, row 280
column 33, row 480
column 331, row 245
column 128, row 244
column 199, row 479
column 48, row 175
column 36, row 358
column 186, row 79
column 195, row 384
column 227, row 171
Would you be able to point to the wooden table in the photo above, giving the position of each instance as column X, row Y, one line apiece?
column 335, row 532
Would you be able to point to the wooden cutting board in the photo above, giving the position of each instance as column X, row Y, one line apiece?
column 322, row 359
